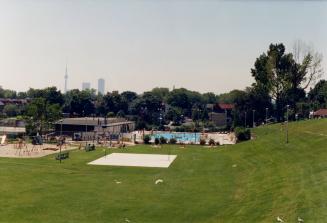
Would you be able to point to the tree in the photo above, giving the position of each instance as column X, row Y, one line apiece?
column 40, row 115
column 230, row 97
column 51, row 95
column 286, row 76
column 80, row 102
column 5, row 93
column 273, row 72
column 11, row 110
column 148, row 108
column 128, row 96
column 318, row 95
column 161, row 93
column 310, row 63
column 210, row 98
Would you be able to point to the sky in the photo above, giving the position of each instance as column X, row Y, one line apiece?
column 206, row 46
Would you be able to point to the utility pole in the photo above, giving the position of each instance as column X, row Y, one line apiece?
column 60, row 141
column 287, row 107
column 266, row 116
column 245, row 120
column 253, row 124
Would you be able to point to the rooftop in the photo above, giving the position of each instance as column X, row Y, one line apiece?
column 92, row 121
column 321, row 112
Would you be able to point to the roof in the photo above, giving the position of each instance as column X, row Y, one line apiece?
column 92, row 121
column 226, row 106
column 13, row 101
column 320, row 112
column 12, row 129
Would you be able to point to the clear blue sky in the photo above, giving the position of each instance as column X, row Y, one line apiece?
column 137, row 45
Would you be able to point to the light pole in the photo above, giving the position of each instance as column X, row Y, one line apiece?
column 266, row 116
column 253, row 124
column 86, row 130
column 287, row 107
column 60, row 141
column 245, row 119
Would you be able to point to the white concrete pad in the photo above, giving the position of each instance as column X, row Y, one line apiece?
column 136, row 160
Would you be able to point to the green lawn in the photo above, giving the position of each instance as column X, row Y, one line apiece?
column 250, row 182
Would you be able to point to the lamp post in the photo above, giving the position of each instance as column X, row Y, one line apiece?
column 60, row 141
column 245, row 119
column 253, row 124
column 86, row 130
column 287, row 107
column 266, row 116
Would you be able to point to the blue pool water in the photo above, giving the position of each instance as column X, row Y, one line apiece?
column 180, row 137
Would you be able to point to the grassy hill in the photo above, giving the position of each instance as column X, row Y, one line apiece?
column 254, row 181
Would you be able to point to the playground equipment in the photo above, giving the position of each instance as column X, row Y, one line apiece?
column 3, row 140
column 89, row 147
column 37, row 143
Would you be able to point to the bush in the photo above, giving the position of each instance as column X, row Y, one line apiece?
column 156, row 141
column 212, row 142
column 172, row 141
column 242, row 134
column 163, row 140
column 111, row 115
column 147, row 139
column 202, row 142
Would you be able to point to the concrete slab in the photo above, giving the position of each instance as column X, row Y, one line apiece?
column 135, row 160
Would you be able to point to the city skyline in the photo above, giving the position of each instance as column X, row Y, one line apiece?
column 206, row 46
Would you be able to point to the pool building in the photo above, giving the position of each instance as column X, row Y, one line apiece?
column 90, row 127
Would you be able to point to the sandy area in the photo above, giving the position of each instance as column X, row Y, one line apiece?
column 30, row 151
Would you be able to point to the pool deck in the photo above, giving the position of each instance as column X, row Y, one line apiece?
column 221, row 138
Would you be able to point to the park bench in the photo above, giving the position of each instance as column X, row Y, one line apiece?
column 89, row 148
column 62, row 156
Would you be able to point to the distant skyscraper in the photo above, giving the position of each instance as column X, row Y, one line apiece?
column 66, row 79
column 101, row 86
column 86, row 86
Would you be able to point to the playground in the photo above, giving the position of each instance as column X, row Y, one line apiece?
column 30, row 150
column 25, row 149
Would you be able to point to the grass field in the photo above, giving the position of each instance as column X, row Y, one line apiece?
column 250, row 182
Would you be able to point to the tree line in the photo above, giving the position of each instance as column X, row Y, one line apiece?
column 281, row 79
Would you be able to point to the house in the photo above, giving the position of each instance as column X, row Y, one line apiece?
column 92, row 127
column 9, row 101
column 221, row 114
column 6, row 101
column 321, row 113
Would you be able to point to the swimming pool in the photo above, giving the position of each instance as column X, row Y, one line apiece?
column 184, row 137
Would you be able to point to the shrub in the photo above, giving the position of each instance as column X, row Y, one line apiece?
column 111, row 115
column 202, row 142
column 163, row 140
column 147, row 139
column 156, row 141
column 212, row 142
column 242, row 134
column 172, row 141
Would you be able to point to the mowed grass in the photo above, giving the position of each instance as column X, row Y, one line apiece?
column 254, row 181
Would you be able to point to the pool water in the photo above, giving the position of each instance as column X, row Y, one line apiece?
column 180, row 137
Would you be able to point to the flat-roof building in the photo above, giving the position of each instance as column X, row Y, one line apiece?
column 93, row 126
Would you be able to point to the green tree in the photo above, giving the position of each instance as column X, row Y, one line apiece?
column 40, row 115
column 80, row 102
column 318, row 94
column 11, row 110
